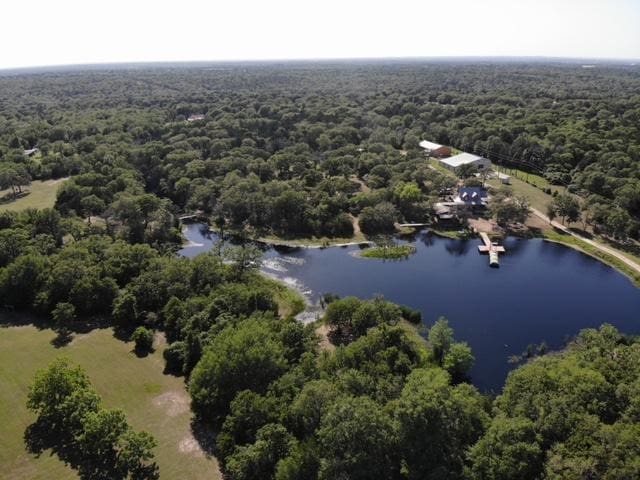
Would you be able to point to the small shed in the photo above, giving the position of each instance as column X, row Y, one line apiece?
column 504, row 178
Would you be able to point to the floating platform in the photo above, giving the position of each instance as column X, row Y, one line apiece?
column 492, row 249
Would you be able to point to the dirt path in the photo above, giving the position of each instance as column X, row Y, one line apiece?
column 56, row 181
column 363, row 186
column 599, row 246
column 325, row 344
column 356, row 226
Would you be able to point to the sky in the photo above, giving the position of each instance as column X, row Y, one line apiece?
column 61, row 32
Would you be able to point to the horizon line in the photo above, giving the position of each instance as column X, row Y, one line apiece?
column 322, row 60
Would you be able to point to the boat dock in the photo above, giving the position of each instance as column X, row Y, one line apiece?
column 491, row 248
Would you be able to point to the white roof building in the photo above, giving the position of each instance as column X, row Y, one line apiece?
column 427, row 145
column 456, row 161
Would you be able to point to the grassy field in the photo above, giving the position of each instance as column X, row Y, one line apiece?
column 536, row 180
column 40, row 194
column 151, row 400
column 538, row 199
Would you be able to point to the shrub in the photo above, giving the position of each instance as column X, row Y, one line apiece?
column 174, row 357
column 144, row 339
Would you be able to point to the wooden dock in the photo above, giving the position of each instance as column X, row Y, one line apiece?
column 192, row 216
column 490, row 248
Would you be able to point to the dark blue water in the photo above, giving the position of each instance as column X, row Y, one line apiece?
column 541, row 292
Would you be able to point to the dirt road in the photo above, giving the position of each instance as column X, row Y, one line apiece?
column 598, row 245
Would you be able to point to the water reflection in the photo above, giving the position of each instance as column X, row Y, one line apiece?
column 457, row 247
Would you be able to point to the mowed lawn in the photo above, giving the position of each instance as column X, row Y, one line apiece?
column 151, row 400
column 538, row 199
column 40, row 194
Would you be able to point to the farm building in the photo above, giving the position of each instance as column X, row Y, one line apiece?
column 435, row 149
column 456, row 161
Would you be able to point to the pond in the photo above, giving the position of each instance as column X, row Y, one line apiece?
column 542, row 292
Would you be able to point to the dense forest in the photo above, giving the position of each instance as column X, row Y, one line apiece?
column 297, row 150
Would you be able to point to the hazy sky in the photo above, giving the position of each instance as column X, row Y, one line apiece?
column 48, row 32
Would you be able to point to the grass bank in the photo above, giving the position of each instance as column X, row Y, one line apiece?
column 573, row 242
column 460, row 234
column 152, row 401
column 311, row 242
column 395, row 252
column 290, row 301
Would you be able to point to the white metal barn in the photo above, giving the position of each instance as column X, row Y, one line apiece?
column 456, row 161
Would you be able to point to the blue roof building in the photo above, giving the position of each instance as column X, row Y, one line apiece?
column 473, row 196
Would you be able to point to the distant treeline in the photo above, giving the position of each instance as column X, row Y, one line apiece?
column 296, row 149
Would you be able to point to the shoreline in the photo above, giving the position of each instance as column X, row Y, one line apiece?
column 300, row 243
column 598, row 250
column 601, row 256
column 549, row 235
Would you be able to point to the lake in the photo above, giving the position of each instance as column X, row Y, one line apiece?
column 541, row 292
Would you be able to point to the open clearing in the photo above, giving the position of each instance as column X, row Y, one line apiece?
column 537, row 197
column 40, row 194
column 152, row 401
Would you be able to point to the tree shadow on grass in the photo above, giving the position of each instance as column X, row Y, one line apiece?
column 581, row 232
column 123, row 333
column 143, row 352
column 62, row 339
column 11, row 197
column 205, row 435
column 41, row 436
column 11, row 317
